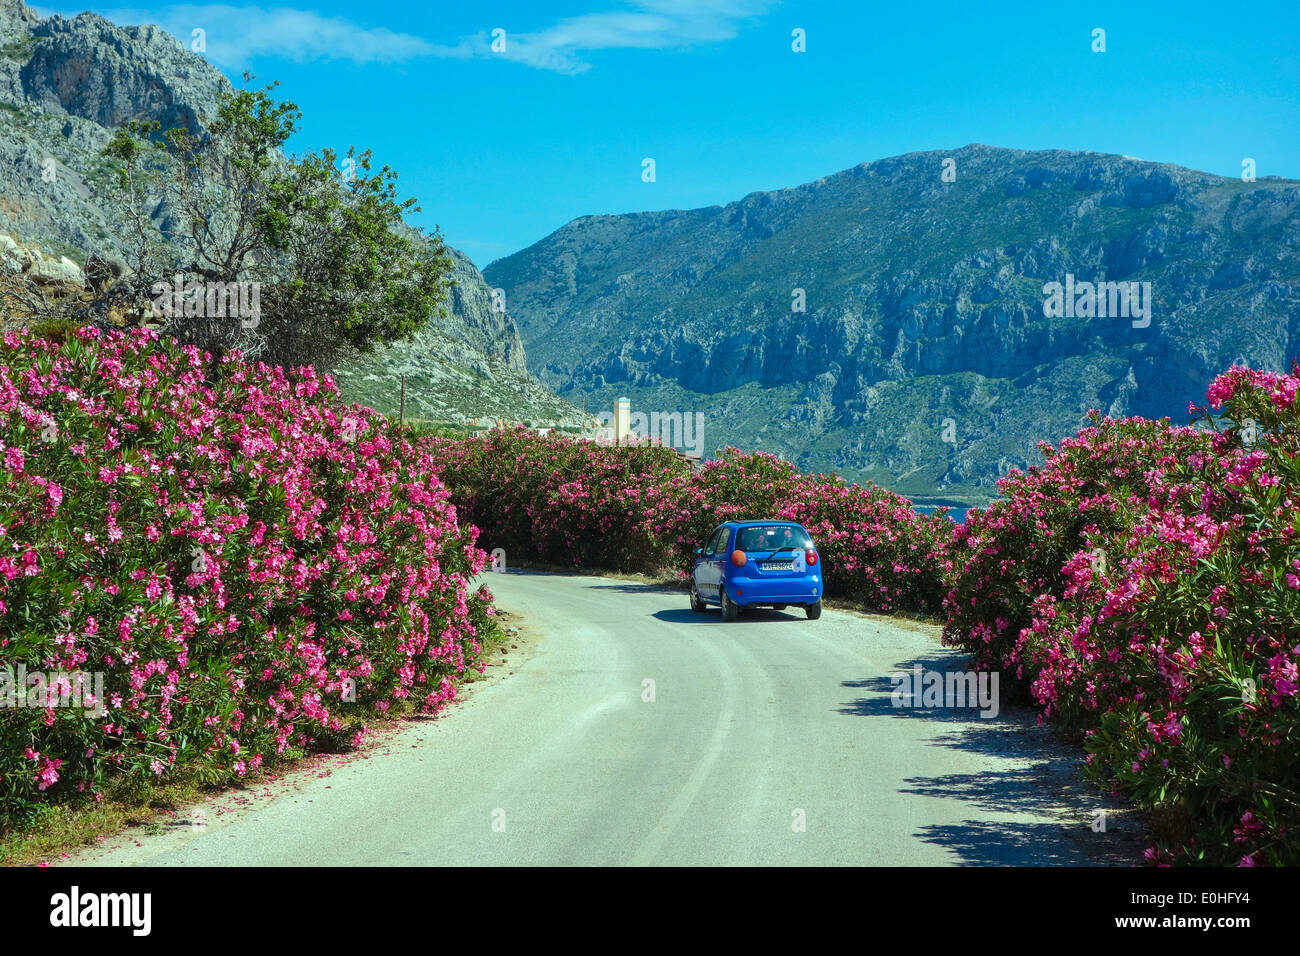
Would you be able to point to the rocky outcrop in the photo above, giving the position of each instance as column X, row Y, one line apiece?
column 64, row 86
column 88, row 67
column 58, row 275
column 473, row 318
column 916, row 291
column 61, row 273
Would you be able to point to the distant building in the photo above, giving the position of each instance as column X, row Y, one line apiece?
column 622, row 421
column 624, row 435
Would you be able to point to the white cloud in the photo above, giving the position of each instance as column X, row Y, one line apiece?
column 645, row 25
column 234, row 35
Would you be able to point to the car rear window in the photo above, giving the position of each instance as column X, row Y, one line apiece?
column 769, row 537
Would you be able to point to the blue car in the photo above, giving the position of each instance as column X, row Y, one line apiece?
column 757, row 563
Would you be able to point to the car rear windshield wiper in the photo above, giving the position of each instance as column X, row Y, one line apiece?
column 783, row 547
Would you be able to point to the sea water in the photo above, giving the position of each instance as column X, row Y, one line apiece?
column 956, row 512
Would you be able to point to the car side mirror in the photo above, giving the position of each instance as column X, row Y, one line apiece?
column 698, row 552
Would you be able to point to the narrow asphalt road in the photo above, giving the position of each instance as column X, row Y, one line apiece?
column 637, row 732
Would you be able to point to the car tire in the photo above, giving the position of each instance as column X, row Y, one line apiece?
column 697, row 605
column 730, row 609
column 814, row 610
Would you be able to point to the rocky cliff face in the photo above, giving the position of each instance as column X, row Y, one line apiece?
column 65, row 85
column 923, row 358
column 476, row 322
column 88, row 67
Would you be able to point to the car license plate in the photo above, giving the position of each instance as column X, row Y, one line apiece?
column 778, row 566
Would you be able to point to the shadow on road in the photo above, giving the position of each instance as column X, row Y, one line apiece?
column 882, row 703
column 632, row 587
column 984, row 843
column 1050, row 785
column 1022, row 790
column 713, row 616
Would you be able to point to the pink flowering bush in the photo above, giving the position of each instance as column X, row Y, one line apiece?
column 556, row 499
column 639, row 508
column 1143, row 588
column 253, row 566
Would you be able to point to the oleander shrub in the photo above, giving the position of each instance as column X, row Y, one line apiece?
column 251, row 567
column 558, row 500
column 1142, row 588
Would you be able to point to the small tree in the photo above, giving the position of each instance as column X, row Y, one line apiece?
column 138, row 161
column 343, row 269
column 335, row 266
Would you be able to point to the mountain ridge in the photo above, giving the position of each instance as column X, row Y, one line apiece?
column 923, row 297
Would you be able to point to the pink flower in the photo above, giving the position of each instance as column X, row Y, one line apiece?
column 48, row 774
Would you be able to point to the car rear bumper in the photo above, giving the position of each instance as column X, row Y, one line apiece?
column 749, row 591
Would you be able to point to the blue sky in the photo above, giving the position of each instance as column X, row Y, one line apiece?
column 502, row 148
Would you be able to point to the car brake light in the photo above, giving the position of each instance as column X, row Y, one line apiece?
column 738, row 558
column 812, row 557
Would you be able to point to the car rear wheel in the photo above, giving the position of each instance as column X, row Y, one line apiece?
column 814, row 610
column 730, row 609
column 698, row 606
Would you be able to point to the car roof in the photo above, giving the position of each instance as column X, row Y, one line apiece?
column 750, row 524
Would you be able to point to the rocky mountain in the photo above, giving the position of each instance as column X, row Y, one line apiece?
column 922, row 358
column 65, row 85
